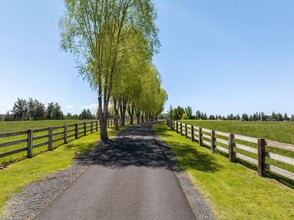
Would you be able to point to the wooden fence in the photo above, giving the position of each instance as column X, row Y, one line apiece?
column 255, row 151
column 27, row 141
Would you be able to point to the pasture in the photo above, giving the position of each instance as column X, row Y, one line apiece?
column 40, row 139
column 271, row 130
column 12, row 126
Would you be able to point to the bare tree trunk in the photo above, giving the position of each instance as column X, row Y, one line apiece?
column 138, row 116
column 122, row 110
column 116, row 127
column 131, row 110
column 142, row 117
column 103, row 120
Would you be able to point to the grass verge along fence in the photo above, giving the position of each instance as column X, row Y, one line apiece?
column 17, row 145
column 265, row 155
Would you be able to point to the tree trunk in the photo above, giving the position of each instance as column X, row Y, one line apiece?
column 116, row 127
column 103, row 130
column 138, row 118
column 142, row 117
column 123, row 109
column 131, row 113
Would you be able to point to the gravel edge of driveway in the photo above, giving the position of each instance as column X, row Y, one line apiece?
column 36, row 196
column 196, row 200
column 32, row 199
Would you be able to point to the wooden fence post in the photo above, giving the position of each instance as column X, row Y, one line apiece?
column 192, row 132
column 177, row 126
column 65, row 134
column 181, row 128
column 261, row 157
column 30, row 143
column 76, row 131
column 91, row 126
column 232, row 154
column 50, row 132
column 96, row 125
column 171, row 125
column 212, row 141
column 186, row 131
column 200, row 137
column 85, row 129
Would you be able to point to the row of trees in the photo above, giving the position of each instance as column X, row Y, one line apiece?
column 186, row 113
column 32, row 109
column 114, row 43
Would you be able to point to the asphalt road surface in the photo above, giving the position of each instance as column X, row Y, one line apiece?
column 130, row 178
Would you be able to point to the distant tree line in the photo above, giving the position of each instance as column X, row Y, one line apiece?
column 32, row 109
column 186, row 113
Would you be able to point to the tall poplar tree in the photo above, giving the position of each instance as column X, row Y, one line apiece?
column 94, row 31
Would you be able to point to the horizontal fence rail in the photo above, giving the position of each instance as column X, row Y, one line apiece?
column 26, row 141
column 255, row 151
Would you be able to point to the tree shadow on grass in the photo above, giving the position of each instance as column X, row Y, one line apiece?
column 188, row 157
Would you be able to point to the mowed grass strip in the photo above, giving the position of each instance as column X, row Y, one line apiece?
column 20, row 174
column 232, row 190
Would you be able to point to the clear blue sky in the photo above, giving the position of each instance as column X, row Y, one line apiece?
column 219, row 57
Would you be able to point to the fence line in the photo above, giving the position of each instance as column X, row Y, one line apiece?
column 228, row 143
column 63, row 134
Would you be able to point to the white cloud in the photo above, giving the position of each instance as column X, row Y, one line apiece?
column 91, row 106
column 69, row 106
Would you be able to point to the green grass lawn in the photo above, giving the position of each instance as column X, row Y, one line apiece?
column 276, row 131
column 20, row 174
column 13, row 126
column 232, row 190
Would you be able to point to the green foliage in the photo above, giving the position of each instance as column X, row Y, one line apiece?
column 177, row 113
column 86, row 114
column 189, row 112
column 229, row 186
column 53, row 111
column 113, row 42
column 34, row 110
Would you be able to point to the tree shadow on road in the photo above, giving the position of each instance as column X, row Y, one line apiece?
column 126, row 151
column 137, row 146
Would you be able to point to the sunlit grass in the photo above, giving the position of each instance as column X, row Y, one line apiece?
column 271, row 130
column 232, row 190
column 20, row 174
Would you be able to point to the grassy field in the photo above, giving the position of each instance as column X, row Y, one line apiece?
column 13, row 126
column 232, row 190
column 20, row 174
column 276, row 131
